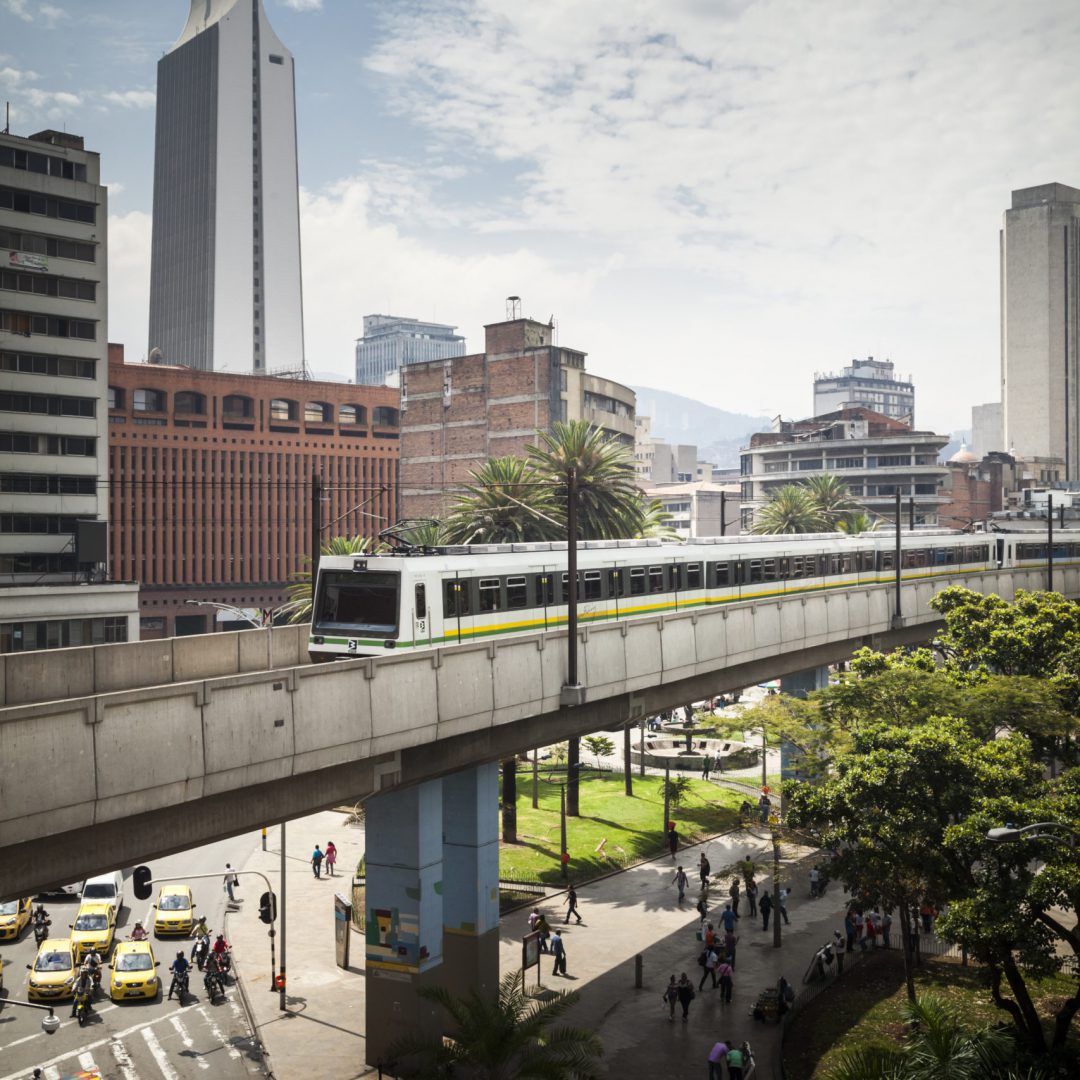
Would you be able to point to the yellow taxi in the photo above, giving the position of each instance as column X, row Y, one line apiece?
column 52, row 974
column 14, row 915
column 174, row 914
column 93, row 927
column 134, row 971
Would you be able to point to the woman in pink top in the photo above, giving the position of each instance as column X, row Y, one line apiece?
column 331, row 857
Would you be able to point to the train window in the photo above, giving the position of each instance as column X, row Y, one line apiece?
column 517, row 595
column 357, row 603
column 490, row 594
column 723, row 575
column 637, row 580
column 768, row 569
column 675, row 577
column 545, row 589
column 656, row 579
column 886, row 560
column 796, row 566
column 456, row 599
column 693, row 575
column 867, row 560
column 565, row 590
column 420, row 604
column 755, row 571
column 594, row 588
column 616, row 584
column 845, row 563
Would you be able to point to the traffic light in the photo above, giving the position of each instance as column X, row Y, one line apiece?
column 268, row 907
column 143, row 881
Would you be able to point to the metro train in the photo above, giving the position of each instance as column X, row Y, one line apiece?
column 413, row 599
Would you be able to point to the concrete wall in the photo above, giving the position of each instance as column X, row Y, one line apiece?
column 152, row 770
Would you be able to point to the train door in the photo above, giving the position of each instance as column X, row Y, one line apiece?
column 545, row 594
column 1000, row 543
column 457, row 610
column 421, row 616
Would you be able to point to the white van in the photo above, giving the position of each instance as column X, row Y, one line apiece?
column 106, row 888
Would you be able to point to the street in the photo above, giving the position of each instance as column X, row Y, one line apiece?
column 137, row 1040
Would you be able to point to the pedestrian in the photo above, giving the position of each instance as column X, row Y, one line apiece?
column 872, row 928
column 671, row 996
column 730, row 941
column 703, row 908
column 558, row 950
column 718, row 763
column 747, row 868
column 735, row 895
column 735, row 1060
column 231, row 881
column 331, row 857
column 927, row 914
column 717, row 1057
column 708, row 961
column 680, row 879
column 751, row 897
column 544, row 931
column 685, row 990
column 860, row 931
column 849, row 929
column 886, row 929
column 765, row 906
column 839, row 948
column 781, row 897
column 764, row 807
column 815, row 878
column 672, row 840
column 571, row 905
column 316, row 861
column 706, row 765
column 726, row 974
column 785, row 995
column 704, row 869
column 709, row 935
column 728, row 917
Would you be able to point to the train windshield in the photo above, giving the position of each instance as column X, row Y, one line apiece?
column 357, row 604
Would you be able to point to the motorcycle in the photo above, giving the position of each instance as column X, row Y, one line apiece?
column 224, row 962
column 41, row 930
column 82, row 1008
column 200, row 951
column 179, row 986
column 213, row 983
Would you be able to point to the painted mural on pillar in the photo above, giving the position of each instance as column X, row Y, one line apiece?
column 393, row 937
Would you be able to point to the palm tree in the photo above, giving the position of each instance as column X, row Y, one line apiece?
column 790, row 509
column 506, row 502
column 299, row 605
column 858, row 521
column 509, row 1037
column 831, row 497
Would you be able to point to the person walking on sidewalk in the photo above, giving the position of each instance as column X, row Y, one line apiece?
column 331, row 857
column 736, row 1059
column 716, row 1058
column 781, row 897
column 671, row 997
column 680, row 879
column 685, row 990
column 765, row 906
column 704, row 869
column 730, row 941
column 735, row 895
column 726, row 974
column 839, row 947
column 706, row 765
column 672, row 840
column 558, row 950
column 230, row 882
column 747, row 869
column 708, row 961
column 571, row 906
column 728, row 917
column 316, row 861
column 751, row 897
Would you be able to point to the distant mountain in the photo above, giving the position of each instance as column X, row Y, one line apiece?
column 717, row 433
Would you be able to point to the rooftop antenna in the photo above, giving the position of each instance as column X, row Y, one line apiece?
column 513, row 308
column 7, row 117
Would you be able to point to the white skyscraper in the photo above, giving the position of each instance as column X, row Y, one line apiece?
column 225, row 262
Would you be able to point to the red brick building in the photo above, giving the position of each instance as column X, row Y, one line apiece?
column 459, row 412
column 976, row 489
column 210, row 480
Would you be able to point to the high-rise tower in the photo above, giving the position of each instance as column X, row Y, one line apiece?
column 225, row 262
column 1040, row 325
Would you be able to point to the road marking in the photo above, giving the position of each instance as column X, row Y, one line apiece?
column 20, row 1075
column 159, row 1055
column 58, row 1007
column 87, row 1064
column 52, row 1073
column 189, row 1042
column 123, row 1060
column 217, row 1033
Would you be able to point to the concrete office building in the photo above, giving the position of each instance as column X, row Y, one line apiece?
column 225, row 257
column 459, row 412
column 875, row 455
column 870, row 383
column 987, row 434
column 1040, row 326
column 390, row 342
column 211, row 480
column 53, row 453
column 698, row 507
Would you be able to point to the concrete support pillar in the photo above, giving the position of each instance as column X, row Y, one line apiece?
column 403, row 913
column 471, row 880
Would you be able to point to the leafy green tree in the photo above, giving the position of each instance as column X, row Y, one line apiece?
column 678, row 788
column 831, row 498
column 600, row 746
column 299, row 592
column 507, row 1038
column 790, row 509
column 858, row 521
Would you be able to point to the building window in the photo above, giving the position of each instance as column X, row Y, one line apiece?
column 25, row 202
column 352, row 414
column 318, row 412
column 48, row 405
column 116, row 397
column 385, row 416
column 68, row 367
column 275, row 59
column 149, row 401
column 46, row 246
column 189, row 402
column 283, row 409
column 237, row 406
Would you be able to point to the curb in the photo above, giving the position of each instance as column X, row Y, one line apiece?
column 249, row 1012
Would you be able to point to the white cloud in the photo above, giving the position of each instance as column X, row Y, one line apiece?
column 51, row 14
column 53, row 100
column 14, row 79
column 303, row 5
column 132, row 99
column 129, row 279
column 23, row 9
column 20, row 9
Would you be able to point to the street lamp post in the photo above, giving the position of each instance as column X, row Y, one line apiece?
column 1039, row 830
column 266, row 623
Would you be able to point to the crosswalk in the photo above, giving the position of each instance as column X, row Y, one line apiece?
column 182, row 1044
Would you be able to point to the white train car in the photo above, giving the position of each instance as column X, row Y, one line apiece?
column 366, row 604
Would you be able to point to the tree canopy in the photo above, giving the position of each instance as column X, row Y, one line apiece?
column 821, row 503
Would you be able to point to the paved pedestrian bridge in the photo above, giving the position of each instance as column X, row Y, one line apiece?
column 114, row 754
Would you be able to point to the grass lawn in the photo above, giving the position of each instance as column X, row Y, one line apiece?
column 865, row 1008
column 772, row 779
column 632, row 827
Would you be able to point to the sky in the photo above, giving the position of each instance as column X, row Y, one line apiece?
column 715, row 197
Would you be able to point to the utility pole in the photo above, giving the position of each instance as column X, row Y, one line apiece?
column 1049, row 542
column 777, row 916
column 667, row 796
column 573, row 746
column 282, row 1004
column 898, row 556
column 316, row 531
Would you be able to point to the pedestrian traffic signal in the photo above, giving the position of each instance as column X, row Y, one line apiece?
column 268, row 907
column 143, row 882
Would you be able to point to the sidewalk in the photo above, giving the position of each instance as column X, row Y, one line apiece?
column 625, row 914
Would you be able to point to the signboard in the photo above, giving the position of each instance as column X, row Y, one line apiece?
column 342, row 929
column 25, row 261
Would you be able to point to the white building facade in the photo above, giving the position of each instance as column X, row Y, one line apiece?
column 53, row 387
column 225, row 281
column 1040, row 325
column 871, row 383
column 392, row 341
